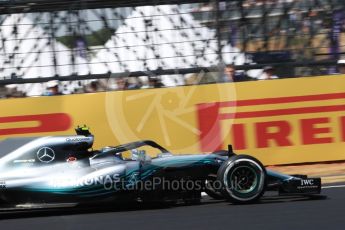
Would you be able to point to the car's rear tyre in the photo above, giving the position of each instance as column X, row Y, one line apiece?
column 243, row 179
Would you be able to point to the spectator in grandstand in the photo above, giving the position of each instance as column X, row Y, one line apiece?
column 3, row 91
column 134, row 83
column 155, row 82
column 151, row 82
column 52, row 88
column 94, row 87
column 268, row 74
column 13, row 92
column 121, row 83
column 193, row 79
column 341, row 66
column 230, row 75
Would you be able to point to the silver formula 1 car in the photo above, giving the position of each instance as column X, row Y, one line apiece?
column 60, row 169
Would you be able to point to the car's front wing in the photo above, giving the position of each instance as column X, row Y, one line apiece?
column 300, row 186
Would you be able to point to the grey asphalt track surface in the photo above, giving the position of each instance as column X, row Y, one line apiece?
column 271, row 213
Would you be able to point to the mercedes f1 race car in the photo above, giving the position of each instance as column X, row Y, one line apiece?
column 62, row 169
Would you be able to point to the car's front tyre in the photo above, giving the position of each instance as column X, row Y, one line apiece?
column 242, row 179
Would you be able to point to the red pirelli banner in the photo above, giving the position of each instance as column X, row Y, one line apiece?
column 279, row 121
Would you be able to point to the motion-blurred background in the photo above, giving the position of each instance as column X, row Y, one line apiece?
column 141, row 44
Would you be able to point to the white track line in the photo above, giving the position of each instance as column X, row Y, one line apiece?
column 333, row 186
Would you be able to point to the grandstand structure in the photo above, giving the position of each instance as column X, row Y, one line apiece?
column 41, row 40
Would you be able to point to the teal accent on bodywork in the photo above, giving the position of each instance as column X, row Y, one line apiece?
column 149, row 169
column 277, row 175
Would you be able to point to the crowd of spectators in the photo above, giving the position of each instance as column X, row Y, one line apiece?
column 227, row 75
column 302, row 27
column 304, row 20
column 11, row 91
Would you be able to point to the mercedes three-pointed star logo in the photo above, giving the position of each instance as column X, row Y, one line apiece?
column 46, row 155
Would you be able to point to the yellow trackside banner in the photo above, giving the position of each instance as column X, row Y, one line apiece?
column 279, row 121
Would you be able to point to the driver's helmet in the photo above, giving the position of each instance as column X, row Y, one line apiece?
column 139, row 155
